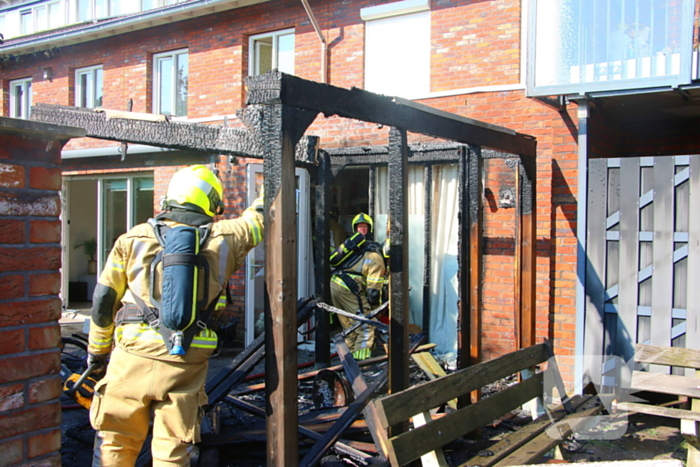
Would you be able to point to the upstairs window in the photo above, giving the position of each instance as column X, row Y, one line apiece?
column 88, row 87
column 602, row 45
column 272, row 51
column 20, row 98
column 96, row 9
column 397, row 48
column 41, row 17
column 170, row 83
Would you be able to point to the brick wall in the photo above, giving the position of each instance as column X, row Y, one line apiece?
column 30, row 259
column 473, row 43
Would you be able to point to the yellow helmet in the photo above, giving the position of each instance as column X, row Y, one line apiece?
column 196, row 189
column 363, row 218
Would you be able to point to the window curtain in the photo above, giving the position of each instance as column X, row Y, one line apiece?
column 443, row 287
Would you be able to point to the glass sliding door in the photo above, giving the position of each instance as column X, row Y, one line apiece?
column 124, row 202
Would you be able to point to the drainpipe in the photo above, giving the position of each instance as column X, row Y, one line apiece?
column 324, row 45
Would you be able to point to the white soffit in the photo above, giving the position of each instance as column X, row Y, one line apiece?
column 394, row 9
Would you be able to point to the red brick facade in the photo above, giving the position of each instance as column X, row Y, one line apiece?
column 473, row 44
column 30, row 259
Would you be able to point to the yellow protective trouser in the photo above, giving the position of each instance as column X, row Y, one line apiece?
column 135, row 386
column 361, row 340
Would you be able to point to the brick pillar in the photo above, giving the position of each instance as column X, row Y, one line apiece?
column 30, row 261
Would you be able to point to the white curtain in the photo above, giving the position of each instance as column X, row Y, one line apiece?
column 443, row 259
column 443, row 286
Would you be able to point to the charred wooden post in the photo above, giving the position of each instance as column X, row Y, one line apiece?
column 322, row 245
column 398, row 261
column 279, row 128
column 476, row 231
column 427, row 222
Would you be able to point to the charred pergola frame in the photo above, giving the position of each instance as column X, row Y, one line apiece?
column 279, row 110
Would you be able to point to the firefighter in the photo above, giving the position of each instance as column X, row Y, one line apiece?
column 142, row 377
column 356, row 287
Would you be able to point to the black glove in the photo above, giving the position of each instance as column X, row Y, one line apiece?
column 373, row 297
column 99, row 361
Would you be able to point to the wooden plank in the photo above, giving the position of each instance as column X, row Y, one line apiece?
column 629, row 258
column 398, row 259
column 390, row 111
column 411, row 445
column 434, row 458
column 425, row 396
column 526, row 433
column 359, row 386
column 667, row 412
column 543, row 443
column 665, row 384
column 674, row 356
column 595, row 268
column 662, row 278
column 432, row 369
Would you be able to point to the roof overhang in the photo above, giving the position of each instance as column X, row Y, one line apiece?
column 121, row 25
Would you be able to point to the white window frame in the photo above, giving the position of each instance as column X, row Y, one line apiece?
column 53, row 18
column 25, row 84
column 111, row 7
column 256, row 40
column 398, row 67
column 26, row 22
column 93, row 82
column 173, row 55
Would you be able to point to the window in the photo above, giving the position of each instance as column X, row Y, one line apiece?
column 25, row 22
column 397, row 48
column 583, row 46
column 20, row 98
column 272, row 51
column 88, row 87
column 96, row 9
column 170, row 83
column 41, row 17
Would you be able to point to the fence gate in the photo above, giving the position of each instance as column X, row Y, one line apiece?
column 643, row 259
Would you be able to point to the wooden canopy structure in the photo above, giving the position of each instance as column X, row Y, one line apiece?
column 279, row 110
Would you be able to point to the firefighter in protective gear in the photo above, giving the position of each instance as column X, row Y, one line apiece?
column 142, row 377
column 356, row 287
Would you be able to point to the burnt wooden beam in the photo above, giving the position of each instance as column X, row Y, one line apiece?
column 322, row 245
column 463, row 256
column 167, row 134
column 127, row 127
column 235, row 371
column 359, row 386
column 279, row 129
column 340, row 446
column 391, row 111
column 398, row 261
column 427, row 236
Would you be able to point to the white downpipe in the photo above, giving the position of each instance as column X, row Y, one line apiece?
column 324, row 44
